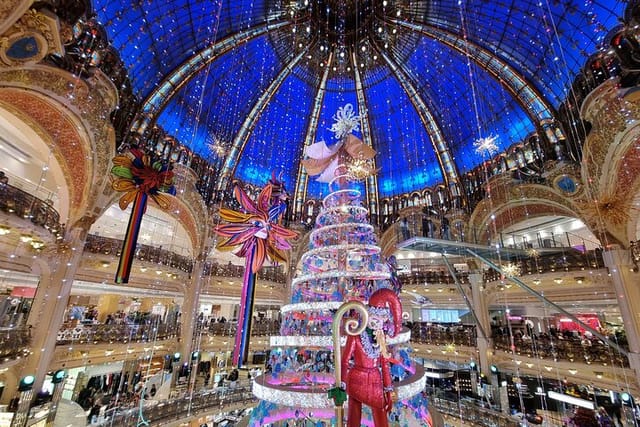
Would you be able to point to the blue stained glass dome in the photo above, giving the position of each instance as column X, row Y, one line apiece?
column 262, row 78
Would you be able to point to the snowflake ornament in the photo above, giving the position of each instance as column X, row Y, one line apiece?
column 511, row 270
column 346, row 121
column 486, row 145
column 216, row 146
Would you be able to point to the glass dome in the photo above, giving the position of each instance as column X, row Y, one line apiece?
column 249, row 83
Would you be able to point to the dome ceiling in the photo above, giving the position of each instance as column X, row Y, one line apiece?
column 248, row 83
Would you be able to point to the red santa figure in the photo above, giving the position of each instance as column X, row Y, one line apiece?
column 365, row 360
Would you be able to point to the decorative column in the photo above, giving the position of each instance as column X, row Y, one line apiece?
column 481, row 308
column 625, row 281
column 190, row 308
column 193, row 203
column 57, row 272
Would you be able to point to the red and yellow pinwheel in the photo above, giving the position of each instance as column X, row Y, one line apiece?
column 139, row 176
column 138, row 173
column 259, row 237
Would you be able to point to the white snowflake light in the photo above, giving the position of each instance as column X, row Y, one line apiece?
column 486, row 145
column 346, row 121
column 511, row 270
column 216, row 147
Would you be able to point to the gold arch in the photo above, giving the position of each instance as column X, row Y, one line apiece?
column 510, row 204
column 61, row 133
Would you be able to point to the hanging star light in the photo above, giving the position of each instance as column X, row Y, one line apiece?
column 511, row 270
column 486, row 145
column 533, row 253
column 259, row 236
column 216, row 147
column 139, row 175
column 346, row 121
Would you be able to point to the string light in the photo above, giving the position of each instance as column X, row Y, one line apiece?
column 326, row 340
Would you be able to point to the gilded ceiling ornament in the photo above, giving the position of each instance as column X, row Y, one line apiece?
column 614, row 209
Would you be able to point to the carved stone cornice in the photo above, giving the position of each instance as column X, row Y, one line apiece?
column 191, row 200
column 300, row 244
column 11, row 11
column 92, row 99
column 29, row 39
column 60, row 133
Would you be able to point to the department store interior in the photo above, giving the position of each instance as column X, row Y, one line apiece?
column 503, row 196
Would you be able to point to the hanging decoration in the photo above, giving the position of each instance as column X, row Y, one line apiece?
column 486, row 145
column 349, row 153
column 342, row 274
column 345, row 122
column 257, row 233
column 139, row 176
column 325, row 161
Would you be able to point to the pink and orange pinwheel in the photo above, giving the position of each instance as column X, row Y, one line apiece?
column 255, row 231
column 259, row 236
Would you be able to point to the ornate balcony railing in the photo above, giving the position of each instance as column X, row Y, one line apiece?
column 419, row 276
column 471, row 413
column 542, row 346
column 160, row 256
column 110, row 246
column 121, row 333
column 258, row 328
column 18, row 202
column 175, row 409
column 435, row 334
column 272, row 274
column 590, row 351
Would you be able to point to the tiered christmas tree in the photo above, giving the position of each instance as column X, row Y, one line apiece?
column 343, row 263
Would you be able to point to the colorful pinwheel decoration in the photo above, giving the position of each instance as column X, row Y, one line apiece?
column 257, row 235
column 139, row 176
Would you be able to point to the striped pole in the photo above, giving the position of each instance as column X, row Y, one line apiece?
column 245, row 317
column 131, row 238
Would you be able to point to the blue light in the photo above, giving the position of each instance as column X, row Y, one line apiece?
column 155, row 38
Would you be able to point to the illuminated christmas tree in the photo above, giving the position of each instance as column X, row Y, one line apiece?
column 343, row 263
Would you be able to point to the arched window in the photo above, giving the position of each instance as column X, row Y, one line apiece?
column 385, row 207
column 428, row 198
column 416, row 200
